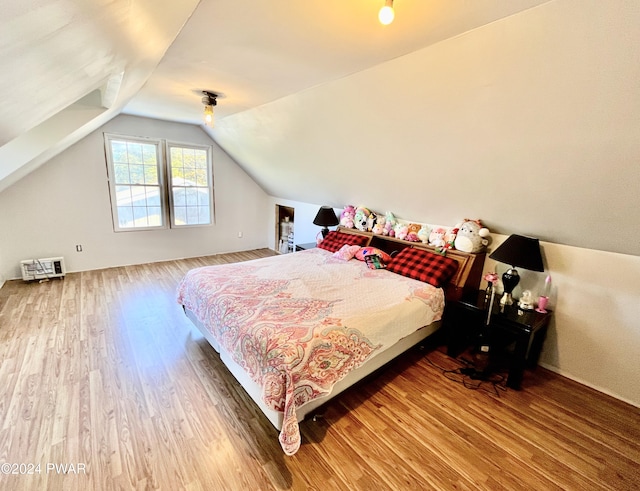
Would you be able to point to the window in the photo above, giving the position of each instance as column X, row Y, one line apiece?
column 190, row 185
column 138, row 171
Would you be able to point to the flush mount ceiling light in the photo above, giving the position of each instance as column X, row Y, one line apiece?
column 386, row 14
column 209, row 99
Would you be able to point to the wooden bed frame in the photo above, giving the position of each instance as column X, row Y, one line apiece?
column 468, row 277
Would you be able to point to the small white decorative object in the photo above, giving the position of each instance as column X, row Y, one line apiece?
column 526, row 300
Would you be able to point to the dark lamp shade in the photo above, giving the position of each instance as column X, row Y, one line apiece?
column 326, row 217
column 519, row 251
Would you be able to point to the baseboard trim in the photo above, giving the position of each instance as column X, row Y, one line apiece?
column 587, row 384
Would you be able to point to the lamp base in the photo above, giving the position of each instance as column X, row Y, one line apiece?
column 325, row 231
column 506, row 299
column 510, row 280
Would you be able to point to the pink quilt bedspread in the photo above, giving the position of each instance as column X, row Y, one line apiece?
column 298, row 323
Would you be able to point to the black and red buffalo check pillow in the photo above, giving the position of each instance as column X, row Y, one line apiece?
column 335, row 240
column 423, row 265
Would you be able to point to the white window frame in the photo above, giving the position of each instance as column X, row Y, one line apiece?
column 165, row 183
column 171, row 185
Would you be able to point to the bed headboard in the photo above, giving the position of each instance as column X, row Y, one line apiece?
column 470, row 265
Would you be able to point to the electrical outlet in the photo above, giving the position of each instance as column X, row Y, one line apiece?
column 78, row 248
column 239, row 235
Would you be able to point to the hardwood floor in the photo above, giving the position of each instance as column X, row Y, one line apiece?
column 101, row 373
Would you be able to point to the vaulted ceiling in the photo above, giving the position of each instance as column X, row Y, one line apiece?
column 68, row 66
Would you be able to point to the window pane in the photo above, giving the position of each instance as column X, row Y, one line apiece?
column 192, row 196
column 140, row 216
column 155, row 216
column 180, row 215
column 123, row 195
column 179, row 197
column 137, row 174
column 201, row 159
column 119, row 151
column 121, row 173
column 176, row 156
column 192, row 215
column 189, row 158
column 177, row 174
column 138, row 196
column 203, row 215
column 125, row 216
column 149, row 155
column 201, row 177
column 151, row 174
column 134, row 151
column 203, row 197
column 153, row 196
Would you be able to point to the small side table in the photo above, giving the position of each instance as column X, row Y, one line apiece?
column 304, row 247
column 509, row 325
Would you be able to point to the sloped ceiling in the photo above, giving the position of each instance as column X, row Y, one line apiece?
column 69, row 65
column 520, row 112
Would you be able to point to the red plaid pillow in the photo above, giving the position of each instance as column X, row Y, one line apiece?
column 335, row 240
column 423, row 265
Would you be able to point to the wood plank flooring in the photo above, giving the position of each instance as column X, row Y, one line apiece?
column 104, row 377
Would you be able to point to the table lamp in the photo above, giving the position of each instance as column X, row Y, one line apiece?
column 326, row 218
column 520, row 251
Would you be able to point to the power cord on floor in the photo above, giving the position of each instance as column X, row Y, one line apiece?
column 471, row 378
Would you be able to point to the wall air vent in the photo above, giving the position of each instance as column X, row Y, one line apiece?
column 42, row 269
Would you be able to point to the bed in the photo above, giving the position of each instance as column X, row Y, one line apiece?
column 297, row 329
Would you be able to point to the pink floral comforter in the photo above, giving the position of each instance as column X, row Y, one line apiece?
column 298, row 323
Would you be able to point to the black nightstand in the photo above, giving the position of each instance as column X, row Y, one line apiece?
column 511, row 330
column 304, row 247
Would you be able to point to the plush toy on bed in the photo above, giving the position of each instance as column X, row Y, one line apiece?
column 371, row 221
column 401, row 230
column 361, row 217
column 378, row 228
column 347, row 216
column 389, row 223
column 450, row 238
column 472, row 236
column 423, row 234
column 412, row 233
column 436, row 237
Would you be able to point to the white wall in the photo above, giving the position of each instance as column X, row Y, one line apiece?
column 66, row 202
column 594, row 336
column 530, row 123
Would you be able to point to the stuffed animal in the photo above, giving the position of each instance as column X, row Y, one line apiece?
column 450, row 237
column 412, row 232
column 389, row 223
column 371, row 221
column 472, row 236
column 347, row 216
column 436, row 237
column 423, row 234
column 361, row 217
column 378, row 228
column 401, row 231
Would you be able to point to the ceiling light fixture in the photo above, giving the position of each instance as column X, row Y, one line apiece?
column 386, row 13
column 209, row 100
